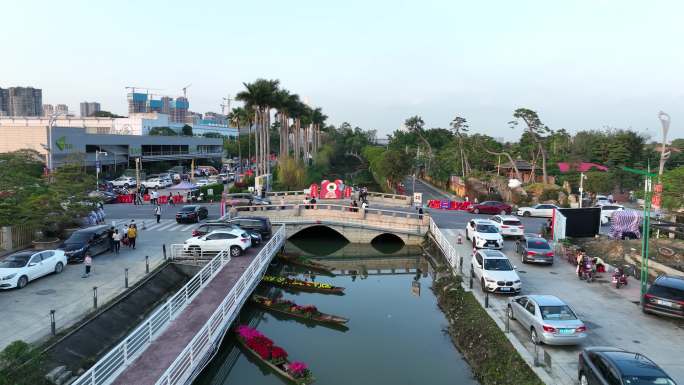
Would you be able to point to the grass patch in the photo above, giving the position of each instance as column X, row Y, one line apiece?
column 493, row 359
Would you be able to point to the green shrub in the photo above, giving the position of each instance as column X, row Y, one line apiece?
column 216, row 187
column 21, row 365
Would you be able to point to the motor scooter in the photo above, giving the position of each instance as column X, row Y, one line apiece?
column 619, row 278
column 586, row 270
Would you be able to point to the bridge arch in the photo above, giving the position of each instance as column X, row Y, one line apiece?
column 387, row 243
column 317, row 230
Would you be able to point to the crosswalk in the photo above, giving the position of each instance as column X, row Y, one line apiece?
column 164, row 225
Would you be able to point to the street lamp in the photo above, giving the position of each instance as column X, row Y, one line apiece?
column 51, row 124
column 97, row 168
column 646, row 225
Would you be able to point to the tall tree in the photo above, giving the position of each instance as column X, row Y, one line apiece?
column 537, row 129
column 415, row 125
column 238, row 117
column 460, row 126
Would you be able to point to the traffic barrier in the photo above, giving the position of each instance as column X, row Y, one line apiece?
column 444, row 204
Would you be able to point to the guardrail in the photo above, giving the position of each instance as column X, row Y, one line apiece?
column 302, row 194
column 209, row 337
column 306, row 207
column 113, row 363
column 452, row 256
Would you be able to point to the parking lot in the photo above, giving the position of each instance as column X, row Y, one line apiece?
column 611, row 315
column 26, row 312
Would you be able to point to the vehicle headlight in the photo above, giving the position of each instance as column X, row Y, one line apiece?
column 490, row 280
column 517, row 281
column 9, row 276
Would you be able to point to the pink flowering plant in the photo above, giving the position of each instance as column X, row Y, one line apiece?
column 298, row 369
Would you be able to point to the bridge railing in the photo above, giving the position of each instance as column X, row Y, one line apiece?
column 208, row 338
column 373, row 196
column 452, row 256
column 106, row 370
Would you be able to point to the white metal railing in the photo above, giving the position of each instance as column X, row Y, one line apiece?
column 113, row 363
column 209, row 337
column 452, row 256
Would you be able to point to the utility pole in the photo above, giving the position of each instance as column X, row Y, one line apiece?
column 97, row 168
column 581, row 188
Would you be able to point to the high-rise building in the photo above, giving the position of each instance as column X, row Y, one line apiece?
column 48, row 109
column 166, row 105
column 137, row 102
column 179, row 110
column 62, row 109
column 89, row 108
column 21, row 101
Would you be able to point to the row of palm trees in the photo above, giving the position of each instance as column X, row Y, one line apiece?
column 299, row 125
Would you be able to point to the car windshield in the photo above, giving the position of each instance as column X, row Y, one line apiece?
column 512, row 223
column 535, row 244
column 187, row 209
column 558, row 313
column 647, row 380
column 500, row 264
column 14, row 261
column 79, row 237
column 666, row 292
column 486, row 229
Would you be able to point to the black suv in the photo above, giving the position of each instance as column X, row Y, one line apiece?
column 191, row 213
column 613, row 366
column 94, row 240
column 665, row 297
column 260, row 224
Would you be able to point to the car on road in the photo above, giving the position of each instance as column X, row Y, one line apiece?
column 94, row 240
column 533, row 248
column 602, row 200
column 154, row 183
column 665, row 297
column 608, row 210
column 191, row 213
column 259, row 224
column 483, row 233
column 206, row 228
column 508, row 225
column 202, row 182
column 105, row 196
column 18, row 269
column 599, row 365
column 490, row 207
column 495, row 272
column 240, row 199
column 544, row 210
column 548, row 319
column 234, row 240
column 124, row 181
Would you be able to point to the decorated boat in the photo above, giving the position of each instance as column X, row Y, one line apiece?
column 274, row 357
column 306, row 312
column 307, row 263
column 297, row 284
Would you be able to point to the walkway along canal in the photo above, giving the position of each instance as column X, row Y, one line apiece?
column 394, row 334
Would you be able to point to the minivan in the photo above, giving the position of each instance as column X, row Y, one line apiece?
column 93, row 240
column 665, row 297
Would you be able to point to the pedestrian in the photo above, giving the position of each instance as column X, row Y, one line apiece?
column 157, row 212
column 139, row 197
column 132, row 234
column 180, row 198
column 282, row 203
column 420, row 213
column 155, row 197
column 355, row 206
column 110, row 237
column 232, row 212
column 116, row 240
column 364, row 205
column 313, row 202
column 171, row 202
column 88, row 262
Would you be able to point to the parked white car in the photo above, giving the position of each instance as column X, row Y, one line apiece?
column 610, row 209
column 508, row 225
column 544, row 210
column 495, row 272
column 124, row 181
column 235, row 240
column 18, row 269
column 483, row 233
column 154, row 183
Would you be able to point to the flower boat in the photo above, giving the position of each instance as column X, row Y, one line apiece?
column 296, row 284
column 307, row 263
column 274, row 357
column 307, row 312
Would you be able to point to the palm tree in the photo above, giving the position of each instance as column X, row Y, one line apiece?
column 260, row 96
column 238, row 116
column 317, row 118
column 305, row 121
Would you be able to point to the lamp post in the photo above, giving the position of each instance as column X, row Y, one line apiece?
column 646, row 224
column 581, row 188
column 97, row 168
column 51, row 124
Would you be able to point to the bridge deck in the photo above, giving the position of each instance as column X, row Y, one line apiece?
column 154, row 361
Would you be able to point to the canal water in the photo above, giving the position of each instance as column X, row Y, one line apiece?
column 394, row 336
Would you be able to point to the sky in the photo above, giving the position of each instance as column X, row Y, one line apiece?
column 373, row 63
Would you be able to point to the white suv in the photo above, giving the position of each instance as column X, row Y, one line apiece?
column 495, row 272
column 153, row 183
column 124, row 181
column 483, row 233
column 235, row 240
column 508, row 225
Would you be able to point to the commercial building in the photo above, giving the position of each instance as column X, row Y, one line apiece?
column 89, row 108
column 21, row 101
column 48, row 109
column 62, row 109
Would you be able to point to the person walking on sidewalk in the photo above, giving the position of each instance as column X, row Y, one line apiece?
column 110, row 238
column 171, row 202
column 132, row 234
column 88, row 263
column 157, row 212
column 116, row 239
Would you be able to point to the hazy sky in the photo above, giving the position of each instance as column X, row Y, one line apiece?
column 580, row 64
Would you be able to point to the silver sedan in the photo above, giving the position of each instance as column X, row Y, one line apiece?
column 548, row 319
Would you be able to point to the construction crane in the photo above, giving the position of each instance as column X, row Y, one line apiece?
column 146, row 89
column 185, row 90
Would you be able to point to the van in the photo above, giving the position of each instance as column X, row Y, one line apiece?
column 93, row 240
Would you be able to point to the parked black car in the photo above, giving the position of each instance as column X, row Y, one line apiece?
column 191, row 213
column 665, row 297
column 206, row 228
column 94, row 240
column 260, row 224
column 613, row 366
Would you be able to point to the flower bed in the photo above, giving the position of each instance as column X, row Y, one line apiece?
column 287, row 305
